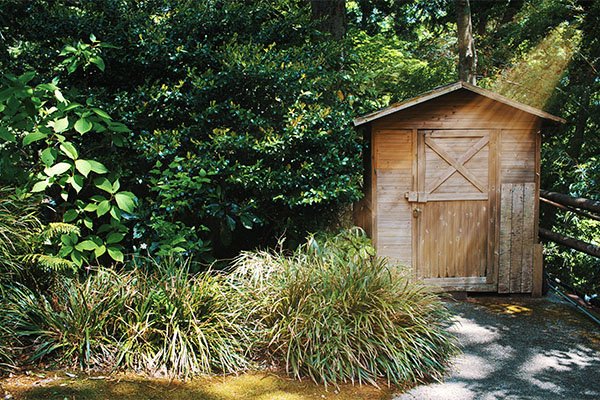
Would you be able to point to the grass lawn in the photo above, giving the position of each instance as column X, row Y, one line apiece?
column 57, row 385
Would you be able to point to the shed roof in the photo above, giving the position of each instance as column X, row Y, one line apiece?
column 443, row 90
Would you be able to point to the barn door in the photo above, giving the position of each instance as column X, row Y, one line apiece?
column 453, row 208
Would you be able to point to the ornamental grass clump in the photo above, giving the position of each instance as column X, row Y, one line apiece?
column 158, row 318
column 335, row 312
column 73, row 323
column 182, row 324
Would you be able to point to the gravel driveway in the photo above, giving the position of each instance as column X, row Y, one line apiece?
column 519, row 348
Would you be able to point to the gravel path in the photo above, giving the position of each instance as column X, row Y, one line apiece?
column 519, row 348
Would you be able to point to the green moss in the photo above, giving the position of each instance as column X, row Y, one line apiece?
column 250, row 386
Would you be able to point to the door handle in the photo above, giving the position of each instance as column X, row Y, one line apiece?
column 416, row 212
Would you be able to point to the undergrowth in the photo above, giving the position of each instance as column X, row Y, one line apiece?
column 334, row 311
column 331, row 310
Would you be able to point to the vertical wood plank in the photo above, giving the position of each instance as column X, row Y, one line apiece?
column 505, row 238
column 415, row 188
column 424, row 269
column 516, row 247
column 528, row 236
column 493, row 211
column 538, row 268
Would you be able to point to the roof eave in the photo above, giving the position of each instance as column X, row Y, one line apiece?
column 448, row 89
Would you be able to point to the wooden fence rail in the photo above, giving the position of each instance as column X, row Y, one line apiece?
column 573, row 204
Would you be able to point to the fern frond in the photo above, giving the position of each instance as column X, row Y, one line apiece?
column 55, row 229
column 54, row 263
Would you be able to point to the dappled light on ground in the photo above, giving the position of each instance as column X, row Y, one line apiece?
column 519, row 348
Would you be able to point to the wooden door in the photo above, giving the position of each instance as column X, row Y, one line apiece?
column 454, row 208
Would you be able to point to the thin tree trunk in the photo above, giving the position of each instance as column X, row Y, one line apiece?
column 467, row 57
column 331, row 15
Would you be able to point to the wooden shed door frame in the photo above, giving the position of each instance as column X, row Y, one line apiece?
column 421, row 195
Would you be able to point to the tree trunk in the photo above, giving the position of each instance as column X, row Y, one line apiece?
column 578, row 202
column 571, row 243
column 467, row 57
column 331, row 15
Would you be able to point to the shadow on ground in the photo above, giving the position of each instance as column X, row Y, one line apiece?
column 519, row 348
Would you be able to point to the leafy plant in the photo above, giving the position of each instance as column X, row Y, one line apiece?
column 71, row 325
column 335, row 312
column 18, row 225
column 181, row 324
column 53, row 131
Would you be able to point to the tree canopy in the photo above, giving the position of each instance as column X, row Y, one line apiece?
column 231, row 121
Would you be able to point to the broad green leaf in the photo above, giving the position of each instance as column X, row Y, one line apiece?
column 86, row 245
column 77, row 257
column 77, row 182
column 59, row 96
column 101, row 113
column 116, row 186
column 69, row 150
column 70, row 215
column 40, row 186
column 60, row 125
column 67, row 240
column 26, row 77
column 98, row 167
column 99, row 62
column 6, row 135
column 115, row 213
column 83, row 125
column 33, row 137
column 125, row 201
column 115, row 253
column 119, row 127
column 83, row 166
column 91, row 207
column 48, row 156
column 57, row 169
column 68, row 49
column 115, row 238
column 104, row 184
column 88, row 222
column 103, row 208
column 99, row 251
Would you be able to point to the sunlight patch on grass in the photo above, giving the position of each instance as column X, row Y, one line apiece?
column 249, row 386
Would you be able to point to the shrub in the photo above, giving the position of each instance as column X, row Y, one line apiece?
column 74, row 323
column 335, row 312
column 7, row 342
column 182, row 324
column 18, row 225
column 167, row 321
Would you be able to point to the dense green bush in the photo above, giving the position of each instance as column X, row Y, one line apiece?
column 336, row 312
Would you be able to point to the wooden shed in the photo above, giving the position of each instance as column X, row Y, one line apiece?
column 452, row 181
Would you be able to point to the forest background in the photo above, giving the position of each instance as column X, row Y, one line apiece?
column 204, row 128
